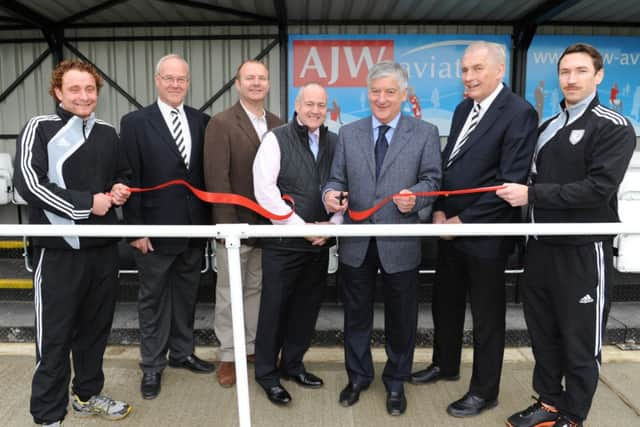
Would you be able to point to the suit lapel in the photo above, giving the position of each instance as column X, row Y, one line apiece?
column 365, row 143
column 493, row 113
column 456, row 127
column 159, row 125
column 194, row 130
column 244, row 123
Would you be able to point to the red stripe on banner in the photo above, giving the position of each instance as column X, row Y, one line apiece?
column 362, row 215
column 228, row 198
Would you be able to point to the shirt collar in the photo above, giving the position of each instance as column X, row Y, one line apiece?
column 486, row 103
column 252, row 116
column 578, row 109
column 166, row 108
column 315, row 133
column 392, row 124
column 66, row 115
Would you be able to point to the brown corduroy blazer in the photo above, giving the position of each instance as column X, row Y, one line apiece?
column 230, row 145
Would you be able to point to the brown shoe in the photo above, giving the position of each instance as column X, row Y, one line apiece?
column 226, row 374
column 251, row 358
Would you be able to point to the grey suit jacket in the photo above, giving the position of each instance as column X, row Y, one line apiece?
column 413, row 161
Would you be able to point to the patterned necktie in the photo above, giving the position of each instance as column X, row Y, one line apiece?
column 381, row 147
column 475, row 115
column 178, row 136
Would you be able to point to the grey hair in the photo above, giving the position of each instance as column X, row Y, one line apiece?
column 389, row 69
column 304, row 86
column 170, row 56
column 496, row 51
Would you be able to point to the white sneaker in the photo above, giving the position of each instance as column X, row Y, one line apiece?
column 102, row 406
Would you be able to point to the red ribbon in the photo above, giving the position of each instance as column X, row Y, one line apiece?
column 235, row 199
column 362, row 215
column 228, row 198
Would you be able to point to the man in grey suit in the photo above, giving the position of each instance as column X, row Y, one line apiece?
column 384, row 154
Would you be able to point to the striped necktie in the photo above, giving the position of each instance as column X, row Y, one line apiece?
column 475, row 115
column 178, row 136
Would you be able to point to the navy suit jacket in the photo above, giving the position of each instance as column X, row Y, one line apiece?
column 499, row 150
column 154, row 158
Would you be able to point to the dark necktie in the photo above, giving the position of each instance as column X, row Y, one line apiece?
column 381, row 147
column 475, row 116
column 176, row 130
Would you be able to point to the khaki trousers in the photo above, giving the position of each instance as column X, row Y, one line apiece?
column 251, row 267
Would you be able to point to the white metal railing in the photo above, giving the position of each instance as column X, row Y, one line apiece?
column 234, row 233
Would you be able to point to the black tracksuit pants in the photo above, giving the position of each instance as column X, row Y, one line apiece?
column 74, row 297
column 563, row 298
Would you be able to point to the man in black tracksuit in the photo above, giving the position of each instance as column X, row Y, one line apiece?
column 70, row 169
column 293, row 159
column 580, row 159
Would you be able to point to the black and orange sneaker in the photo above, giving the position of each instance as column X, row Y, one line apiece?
column 564, row 421
column 539, row 414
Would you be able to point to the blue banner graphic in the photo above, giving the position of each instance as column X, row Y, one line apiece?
column 341, row 62
column 619, row 90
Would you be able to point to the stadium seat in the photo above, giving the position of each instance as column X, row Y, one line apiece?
column 628, row 246
column 6, row 175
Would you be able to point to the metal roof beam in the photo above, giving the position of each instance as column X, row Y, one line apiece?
column 36, row 63
column 548, row 10
column 92, row 10
column 221, row 9
column 280, row 7
column 104, row 75
column 26, row 13
column 230, row 83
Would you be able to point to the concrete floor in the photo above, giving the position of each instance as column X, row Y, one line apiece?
column 197, row 400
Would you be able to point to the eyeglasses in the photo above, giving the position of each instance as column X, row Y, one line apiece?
column 172, row 79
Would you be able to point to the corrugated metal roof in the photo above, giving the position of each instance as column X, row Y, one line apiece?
column 121, row 12
column 619, row 11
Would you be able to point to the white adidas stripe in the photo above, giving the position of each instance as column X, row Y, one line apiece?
column 31, row 177
column 612, row 112
column 613, row 116
column 600, row 297
column 102, row 122
column 37, row 299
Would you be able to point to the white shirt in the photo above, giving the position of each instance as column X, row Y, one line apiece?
column 166, row 109
column 393, row 124
column 266, row 168
column 259, row 122
column 484, row 107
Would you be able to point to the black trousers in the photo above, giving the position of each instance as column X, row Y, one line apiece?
column 167, row 305
column 400, row 320
column 563, row 299
column 293, row 285
column 74, row 298
column 459, row 274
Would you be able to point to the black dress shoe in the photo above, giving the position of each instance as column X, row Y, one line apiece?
column 150, row 385
column 305, row 379
column 470, row 405
column 431, row 375
column 194, row 364
column 351, row 393
column 278, row 395
column 396, row 403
